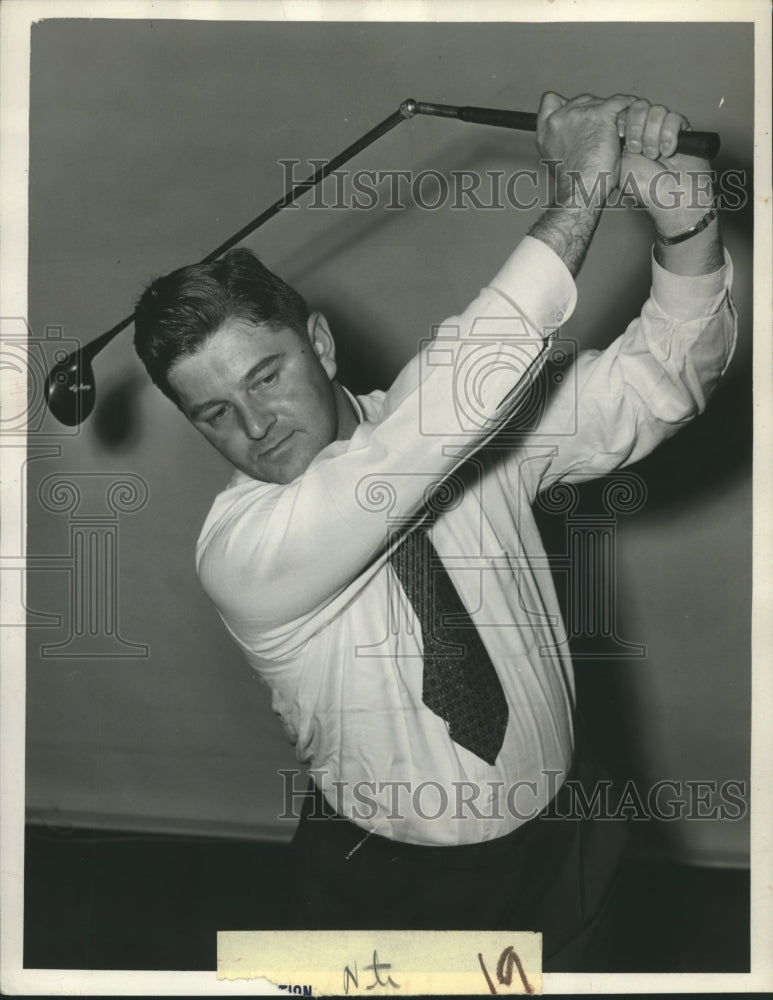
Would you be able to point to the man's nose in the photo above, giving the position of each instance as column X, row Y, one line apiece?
column 256, row 422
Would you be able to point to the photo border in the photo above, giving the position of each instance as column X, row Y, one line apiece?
column 16, row 19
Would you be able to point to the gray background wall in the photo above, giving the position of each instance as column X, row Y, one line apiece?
column 150, row 142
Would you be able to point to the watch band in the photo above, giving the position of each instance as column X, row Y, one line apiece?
column 699, row 226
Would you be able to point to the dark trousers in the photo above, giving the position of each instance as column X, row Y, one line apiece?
column 554, row 875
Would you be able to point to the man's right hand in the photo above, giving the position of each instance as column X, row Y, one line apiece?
column 581, row 136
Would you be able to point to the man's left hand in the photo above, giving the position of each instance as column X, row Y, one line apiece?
column 676, row 190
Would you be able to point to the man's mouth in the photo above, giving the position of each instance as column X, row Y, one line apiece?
column 275, row 448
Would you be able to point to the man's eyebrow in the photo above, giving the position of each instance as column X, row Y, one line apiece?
column 256, row 369
column 260, row 366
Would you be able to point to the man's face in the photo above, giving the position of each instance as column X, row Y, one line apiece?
column 264, row 398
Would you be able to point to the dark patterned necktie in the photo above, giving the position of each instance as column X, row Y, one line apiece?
column 460, row 683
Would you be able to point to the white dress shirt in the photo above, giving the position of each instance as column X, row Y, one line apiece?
column 301, row 577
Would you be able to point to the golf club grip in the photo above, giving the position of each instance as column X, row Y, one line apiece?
column 705, row 144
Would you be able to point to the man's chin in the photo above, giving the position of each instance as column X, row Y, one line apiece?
column 292, row 461
column 265, row 476
column 281, row 475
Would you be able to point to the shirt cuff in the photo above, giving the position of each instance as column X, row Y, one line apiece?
column 687, row 297
column 537, row 283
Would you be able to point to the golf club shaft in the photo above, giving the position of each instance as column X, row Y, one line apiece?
column 291, row 195
column 298, row 189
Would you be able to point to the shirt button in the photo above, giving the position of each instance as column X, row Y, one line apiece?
column 558, row 315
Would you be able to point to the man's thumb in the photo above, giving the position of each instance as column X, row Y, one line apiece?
column 549, row 103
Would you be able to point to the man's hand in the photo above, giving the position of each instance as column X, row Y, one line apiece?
column 597, row 145
column 676, row 190
column 581, row 137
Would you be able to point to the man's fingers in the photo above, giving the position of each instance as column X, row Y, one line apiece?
column 635, row 120
column 622, row 113
column 649, row 129
column 581, row 99
column 669, row 134
column 619, row 102
column 653, row 125
column 617, row 105
column 549, row 103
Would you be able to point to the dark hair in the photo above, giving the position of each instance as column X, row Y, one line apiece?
column 176, row 314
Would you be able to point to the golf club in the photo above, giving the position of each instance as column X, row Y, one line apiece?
column 70, row 389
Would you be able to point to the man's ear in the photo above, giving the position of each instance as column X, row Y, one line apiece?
column 322, row 342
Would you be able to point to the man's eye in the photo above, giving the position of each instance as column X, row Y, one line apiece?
column 218, row 416
column 267, row 381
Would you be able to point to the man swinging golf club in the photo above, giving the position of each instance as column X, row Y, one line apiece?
column 373, row 556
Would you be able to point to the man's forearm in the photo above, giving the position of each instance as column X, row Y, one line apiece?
column 568, row 232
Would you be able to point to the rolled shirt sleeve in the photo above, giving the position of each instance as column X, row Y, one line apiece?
column 617, row 405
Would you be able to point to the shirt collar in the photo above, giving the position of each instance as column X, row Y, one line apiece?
column 355, row 404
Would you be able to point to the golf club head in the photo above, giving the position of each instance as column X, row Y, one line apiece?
column 70, row 390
